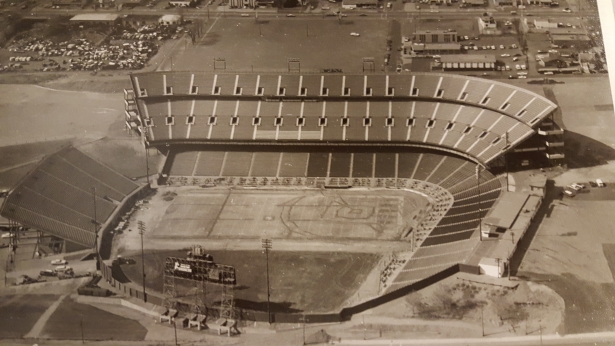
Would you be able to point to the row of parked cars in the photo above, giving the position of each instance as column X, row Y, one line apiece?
column 575, row 188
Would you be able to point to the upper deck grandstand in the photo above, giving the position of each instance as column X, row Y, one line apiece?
column 473, row 117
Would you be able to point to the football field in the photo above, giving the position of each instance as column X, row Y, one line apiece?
column 297, row 214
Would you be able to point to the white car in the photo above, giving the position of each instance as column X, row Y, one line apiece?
column 507, row 68
column 245, row 15
column 356, row 34
column 517, row 67
column 523, row 67
column 466, row 38
column 567, row 10
column 59, row 261
column 577, row 186
column 505, row 55
column 493, row 47
column 522, row 73
column 501, row 46
column 290, row 15
column 522, row 77
column 63, row 268
column 326, row 7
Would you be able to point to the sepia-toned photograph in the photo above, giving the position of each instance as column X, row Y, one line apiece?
column 307, row 172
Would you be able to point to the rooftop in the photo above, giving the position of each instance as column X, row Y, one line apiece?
column 95, row 17
column 506, row 209
column 468, row 58
column 437, row 31
column 360, row 2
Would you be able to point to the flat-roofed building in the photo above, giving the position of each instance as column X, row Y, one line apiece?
column 242, row 3
column 101, row 18
column 433, row 48
column 350, row 4
column 435, row 36
column 468, row 62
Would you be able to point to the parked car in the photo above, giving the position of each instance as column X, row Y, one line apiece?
column 567, row 10
column 59, row 261
column 600, row 183
column 356, row 34
column 48, row 272
column 245, row 15
column 568, row 193
column 290, row 15
column 63, row 268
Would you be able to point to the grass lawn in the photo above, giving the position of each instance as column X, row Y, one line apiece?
column 265, row 46
column 308, row 281
column 65, row 324
column 18, row 314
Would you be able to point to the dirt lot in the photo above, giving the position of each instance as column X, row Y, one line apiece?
column 318, row 43
column 300, row 281
column 459, row 304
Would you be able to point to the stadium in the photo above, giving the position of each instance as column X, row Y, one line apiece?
column 408, row 167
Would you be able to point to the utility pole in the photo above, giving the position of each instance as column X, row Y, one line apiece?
column 141, row 232
column 81, row 323
column 303, row 319
column 175, row 329
column 96, row 230
column 267, row 245
column 482, row 320
column 506, row 162
column 147, row 162
column 480, row 213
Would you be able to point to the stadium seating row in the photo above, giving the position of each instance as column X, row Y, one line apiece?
column 478, row 132
column 504, row 98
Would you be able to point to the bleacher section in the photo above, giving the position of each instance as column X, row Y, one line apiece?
column 459, row 112
column 58, row 196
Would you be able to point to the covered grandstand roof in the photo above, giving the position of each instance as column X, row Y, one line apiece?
column 463, row 114
column 506, row 209
column 57, row 196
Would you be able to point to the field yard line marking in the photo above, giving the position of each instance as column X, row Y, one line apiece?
column 40, row 324
column 217, row 218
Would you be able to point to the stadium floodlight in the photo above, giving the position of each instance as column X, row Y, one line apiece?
column 267, row 245
column 141, row 226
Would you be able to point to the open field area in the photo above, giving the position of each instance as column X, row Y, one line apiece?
column 31, row 113
column 300, row 281
column 192, row 212
column 71, row 318
column 30, row 308
column 265, row 45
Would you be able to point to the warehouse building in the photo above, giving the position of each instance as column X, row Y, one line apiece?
column 468, row 62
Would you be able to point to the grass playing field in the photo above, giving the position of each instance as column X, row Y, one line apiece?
column 193, row 212
column 265, row 45
column 30, row 308
column 300, row 281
